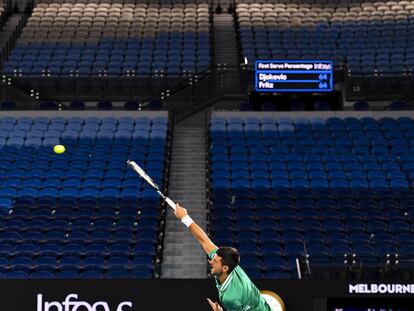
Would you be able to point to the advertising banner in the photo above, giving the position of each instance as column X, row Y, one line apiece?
column 191, row 295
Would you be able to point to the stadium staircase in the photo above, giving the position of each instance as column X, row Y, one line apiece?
column 8, row 37
column 14, row 19
column 227, row 77
column 225, row 49
column 9, row 34
column 183, row 257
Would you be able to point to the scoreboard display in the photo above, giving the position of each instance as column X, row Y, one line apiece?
column 294, row 76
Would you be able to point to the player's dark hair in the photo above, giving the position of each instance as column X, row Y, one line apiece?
column 229, row 257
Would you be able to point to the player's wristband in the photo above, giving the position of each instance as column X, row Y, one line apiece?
column 187, row 221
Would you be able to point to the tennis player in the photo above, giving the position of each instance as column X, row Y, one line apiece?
column 236, row 291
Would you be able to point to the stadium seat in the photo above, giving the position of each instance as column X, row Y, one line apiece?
column 345, row 199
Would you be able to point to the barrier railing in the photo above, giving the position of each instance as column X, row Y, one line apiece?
column 190, row 93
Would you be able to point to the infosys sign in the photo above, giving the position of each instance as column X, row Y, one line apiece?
column 72, row 303
column 381, row 289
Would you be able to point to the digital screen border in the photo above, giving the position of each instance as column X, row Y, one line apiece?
column 300, row 89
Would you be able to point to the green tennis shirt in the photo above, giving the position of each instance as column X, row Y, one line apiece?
column 238, row 293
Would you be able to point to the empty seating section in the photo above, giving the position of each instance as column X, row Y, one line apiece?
column 92, row 38
column 83, row 213
column 338, row 186
column 369, row 37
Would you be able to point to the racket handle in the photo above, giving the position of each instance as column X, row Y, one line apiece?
column 170, row 202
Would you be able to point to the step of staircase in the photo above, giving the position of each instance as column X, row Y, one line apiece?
column 183, row 257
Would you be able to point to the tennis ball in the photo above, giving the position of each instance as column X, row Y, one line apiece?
column 59, row 149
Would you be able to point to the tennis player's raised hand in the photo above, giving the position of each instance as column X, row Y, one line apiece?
column 205, row 242
column 214, row 305
column 180, row 212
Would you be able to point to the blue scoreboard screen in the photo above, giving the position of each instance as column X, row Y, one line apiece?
column 294, row 76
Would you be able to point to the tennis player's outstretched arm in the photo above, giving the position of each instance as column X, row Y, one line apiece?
column 196, row 231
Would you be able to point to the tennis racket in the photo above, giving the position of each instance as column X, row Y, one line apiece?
column 149, row 180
